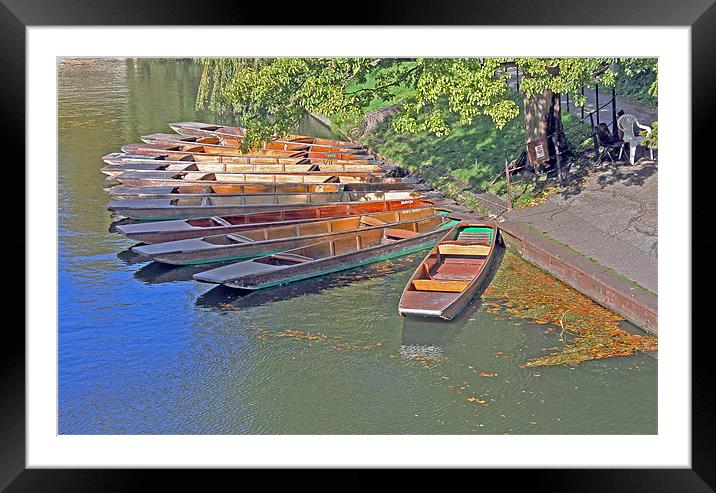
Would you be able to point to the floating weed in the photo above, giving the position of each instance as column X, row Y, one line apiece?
column 521, row 290
column 300, row 335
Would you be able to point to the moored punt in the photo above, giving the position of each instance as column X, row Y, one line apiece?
column 213, row 145
column 184, row 208
column 167, row 177
column 273, row 239
column 199, row 153
column 171, row 178
column 115, row 169
column 343, row 252
column 124, row 159
column 119, row 160
column 209, row 190
column 234, row 135
column 184, row 149
column 199, row 191
column 160, row 231
column 453, row 273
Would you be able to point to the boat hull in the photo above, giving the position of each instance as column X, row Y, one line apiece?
column 235, row 135
column 158, row 178
column 215, row 145
column 447, row 302
column 162, row 231
column 163, row 209
column 218, row 248
column 331, row 264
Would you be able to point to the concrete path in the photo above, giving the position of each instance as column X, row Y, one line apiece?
column 611, row 217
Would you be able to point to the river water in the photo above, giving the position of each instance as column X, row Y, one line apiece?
column 143, row 349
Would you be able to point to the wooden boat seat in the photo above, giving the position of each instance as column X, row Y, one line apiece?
column 221, row 221
column 475, row 237
column 439, row 285
column 400, row 233
column 372, row 221
column 451, row 249
column 239, row 238
column 292, row 257
column 453, row 271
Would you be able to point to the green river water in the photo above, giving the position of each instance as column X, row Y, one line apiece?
column 144, row 349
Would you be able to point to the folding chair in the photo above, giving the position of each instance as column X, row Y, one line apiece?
column 607, row 142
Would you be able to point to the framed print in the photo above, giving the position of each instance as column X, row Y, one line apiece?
column 405, row 246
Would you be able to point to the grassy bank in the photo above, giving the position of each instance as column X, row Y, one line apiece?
column 470, row 156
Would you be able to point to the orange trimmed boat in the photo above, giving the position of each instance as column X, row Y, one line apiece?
column 235, row 136
column 161, row 231
column 214, row 145
column 453, row 273
column 201, row 153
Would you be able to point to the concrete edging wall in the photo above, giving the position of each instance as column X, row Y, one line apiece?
column 631, row 302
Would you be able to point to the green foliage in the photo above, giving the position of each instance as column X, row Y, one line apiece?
column 564, row 75
column 646, row 67
column 436, row 95
column 652, row 140
column 471, row 154
column 637, row 79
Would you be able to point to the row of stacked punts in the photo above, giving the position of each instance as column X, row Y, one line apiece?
column 295, row 208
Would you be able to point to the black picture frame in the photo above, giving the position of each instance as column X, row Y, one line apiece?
column 16, row 15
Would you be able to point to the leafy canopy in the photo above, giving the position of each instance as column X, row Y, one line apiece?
column 272, row 94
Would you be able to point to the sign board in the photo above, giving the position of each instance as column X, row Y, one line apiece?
column 538, row 151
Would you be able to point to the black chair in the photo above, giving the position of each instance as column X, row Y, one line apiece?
column 607, row 142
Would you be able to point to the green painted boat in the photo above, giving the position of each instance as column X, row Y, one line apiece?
column 274, row 239
column 341, row 252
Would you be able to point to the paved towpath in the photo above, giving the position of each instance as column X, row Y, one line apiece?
column 611, row 217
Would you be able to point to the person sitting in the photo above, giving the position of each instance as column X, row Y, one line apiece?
column 606, row 141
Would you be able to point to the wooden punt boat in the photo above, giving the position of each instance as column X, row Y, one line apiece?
column 199, row 153
column 233, row 188
column 274, row 239
column 167, row 177
column 171, row 178
column 191, row 149
column 115, row 169
column 342, row 252
column 200, row 191
column 119, row 160
column 234, row 135
column 160, row 231
column 152, row 209
column 147, row 158
column 452, row 274
column 214, row 145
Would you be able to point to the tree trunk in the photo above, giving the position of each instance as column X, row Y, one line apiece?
column 543, row 118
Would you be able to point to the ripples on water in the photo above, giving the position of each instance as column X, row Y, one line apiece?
column 144, row 349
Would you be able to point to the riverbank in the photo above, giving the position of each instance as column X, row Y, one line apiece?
column 598, row 235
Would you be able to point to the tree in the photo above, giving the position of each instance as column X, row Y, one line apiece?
column 273, row 94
